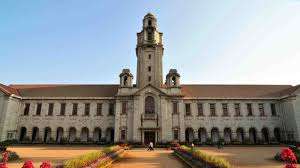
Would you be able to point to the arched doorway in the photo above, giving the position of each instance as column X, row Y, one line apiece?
column 149, row 105
column 202, row 135
column 227, row 135
column 72, row 134
column 277, row 134
column 59, row 134
column 110, row 135
column 23, row 134
column 84, row 134
column 47, row 135
column 252, row 135
column 240, row 135
column 189, row 135
column 35, row 134
column 97, row 134
column 265, row 135
column 215, row 136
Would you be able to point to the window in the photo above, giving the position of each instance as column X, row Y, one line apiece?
column 123, row 134
column 10, row 135
column 225, row 109
column 249, row 109
column 124, row 107
column 62, row 109
column 273, row 109
column 237, row 109
column 188, row 109
column 175, row 108
column 261, row 109
column 212, row 108
column 75, row 109
column 50, row 109
column 99, row 109
column 26, row 110
column 149, row 36
column 149, row 78
column 149, row 105
column 39, row 109
column 149, row 56
column 200, row 109
column 149, row 23
column 111, row 109
column 176, row 134
column 149, row 68
column 87, row 109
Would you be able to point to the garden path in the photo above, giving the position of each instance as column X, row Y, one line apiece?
column 137, row 158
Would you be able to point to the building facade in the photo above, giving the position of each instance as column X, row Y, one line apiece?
column 153, row 109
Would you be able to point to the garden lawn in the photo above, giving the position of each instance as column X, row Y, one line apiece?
column 54, row 154
column 247, row 157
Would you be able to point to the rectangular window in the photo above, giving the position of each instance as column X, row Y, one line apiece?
column 26, row 109
column 212, row 107
column 38, row 109
column 273, row 109
column 187, row 109
column 237, row 109
column 225, row 109
column 75, row 109
column 200, row 109
column 50, row 109
column 149, row 68
column 261, row 109
column 62, row 109
column 249, row 109
column 99, row 109
column 87, row 109
column 175, row 108
column 176, row 134
column 149, row 78
column 124, row 107
column 111, row 109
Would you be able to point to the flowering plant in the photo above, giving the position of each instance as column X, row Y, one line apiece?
column 3, row 165
column 28, row 164
column 45, row 164
column 5, row 157
column 288, row 156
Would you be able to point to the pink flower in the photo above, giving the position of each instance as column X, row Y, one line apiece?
column 45, row 164
column 290, row 165
column 28, row 164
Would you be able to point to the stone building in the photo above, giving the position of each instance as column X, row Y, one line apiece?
column 150, row 110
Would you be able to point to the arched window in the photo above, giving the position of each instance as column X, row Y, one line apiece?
column 149, row 105
column 125, row 81
column 173, row 80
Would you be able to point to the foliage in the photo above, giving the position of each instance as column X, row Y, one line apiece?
column 45, row 164
column 209, row 159
column 89, row 158
column 28, row 164
column 11, row 156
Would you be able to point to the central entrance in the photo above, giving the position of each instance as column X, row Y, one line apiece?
column 149, row 136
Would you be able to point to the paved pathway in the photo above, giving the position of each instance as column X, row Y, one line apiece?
column 140, row 158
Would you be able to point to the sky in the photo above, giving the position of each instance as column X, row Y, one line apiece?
column 208, row 42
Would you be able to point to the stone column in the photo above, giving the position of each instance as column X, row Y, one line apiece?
column 181, row 121
column 117, row 120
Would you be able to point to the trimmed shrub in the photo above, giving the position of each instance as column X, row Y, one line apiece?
column 214, row 161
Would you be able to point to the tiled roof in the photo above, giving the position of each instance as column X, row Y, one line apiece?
column 8, row 90
column 66, row 90
column 193, row 91
column 236, row 91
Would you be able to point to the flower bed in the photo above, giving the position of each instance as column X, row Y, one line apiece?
column 12, row 156
column 97, row 159
column 200, row 159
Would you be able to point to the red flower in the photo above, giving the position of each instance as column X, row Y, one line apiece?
column 28, row 164
column 5, row 157
column 45, row 164
column 288, row 156
column 290, row 165
column 3, row 165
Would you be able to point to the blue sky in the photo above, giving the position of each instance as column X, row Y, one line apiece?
column 209, row 42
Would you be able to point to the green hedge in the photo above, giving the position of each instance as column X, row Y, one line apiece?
column 89, row 158
column 216, row 161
